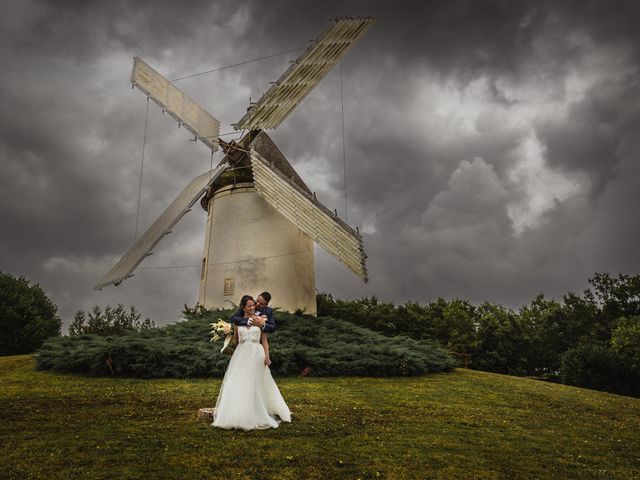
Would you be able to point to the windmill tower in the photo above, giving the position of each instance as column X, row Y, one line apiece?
column 262, row 219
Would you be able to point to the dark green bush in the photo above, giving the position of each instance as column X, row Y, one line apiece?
column 27, row 316
column 600, row 368
column 111, row 321
column 325, row 346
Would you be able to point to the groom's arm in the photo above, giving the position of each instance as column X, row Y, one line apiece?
column 270, row 324
column 239, row 321
column 238, row 318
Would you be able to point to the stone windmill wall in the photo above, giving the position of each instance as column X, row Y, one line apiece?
column 250, row 247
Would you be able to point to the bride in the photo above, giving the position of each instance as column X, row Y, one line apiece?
column 249, row 398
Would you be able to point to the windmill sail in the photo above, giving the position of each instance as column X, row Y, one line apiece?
column 174, row 212
column 173, row 100
column 309, row 215
column 307, row 71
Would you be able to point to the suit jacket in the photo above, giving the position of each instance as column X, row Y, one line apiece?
column 269, row 327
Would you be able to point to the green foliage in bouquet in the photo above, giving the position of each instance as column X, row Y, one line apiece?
column 315, row 346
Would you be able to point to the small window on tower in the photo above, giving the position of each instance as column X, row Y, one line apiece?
column 204, row 266
column 228, row 285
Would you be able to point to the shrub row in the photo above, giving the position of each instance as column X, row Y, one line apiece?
column 322, row 346
column 590, row 340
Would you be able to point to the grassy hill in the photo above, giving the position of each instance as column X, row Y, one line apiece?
column 463, row 425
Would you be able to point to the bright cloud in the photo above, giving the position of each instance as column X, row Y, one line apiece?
column 539, row 187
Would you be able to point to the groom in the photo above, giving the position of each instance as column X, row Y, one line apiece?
column 262, row 310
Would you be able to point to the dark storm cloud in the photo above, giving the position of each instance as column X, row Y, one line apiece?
column 591, row 137
column 81, row 29
column 491, row 147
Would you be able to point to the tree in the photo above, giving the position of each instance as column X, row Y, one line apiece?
column 451, row 323
column 27, row 316
column 616, row 297
column 367, row 312
column 541, row 323
column 501, row 343
column 625, row 339
column 552, row 328
column 112, row 321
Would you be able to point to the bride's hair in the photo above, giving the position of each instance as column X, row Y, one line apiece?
column 244, row 300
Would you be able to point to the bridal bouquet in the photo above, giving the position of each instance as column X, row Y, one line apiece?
column 220, row 329
column 223, row 329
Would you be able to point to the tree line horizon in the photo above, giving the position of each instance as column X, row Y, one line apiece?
column 590, row 339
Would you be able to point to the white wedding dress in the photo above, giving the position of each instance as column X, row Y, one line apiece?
column 249, row 397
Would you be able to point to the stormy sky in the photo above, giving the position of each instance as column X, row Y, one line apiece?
column 492, row 147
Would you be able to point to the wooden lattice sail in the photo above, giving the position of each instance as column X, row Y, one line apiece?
column 275, row 181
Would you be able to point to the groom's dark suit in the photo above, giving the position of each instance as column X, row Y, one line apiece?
column 270, row 325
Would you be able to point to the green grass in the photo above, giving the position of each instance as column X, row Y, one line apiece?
column 463, row 425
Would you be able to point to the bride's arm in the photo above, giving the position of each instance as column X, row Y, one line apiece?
column 265, row 344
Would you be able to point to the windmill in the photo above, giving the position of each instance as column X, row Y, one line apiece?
column 262, row 219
